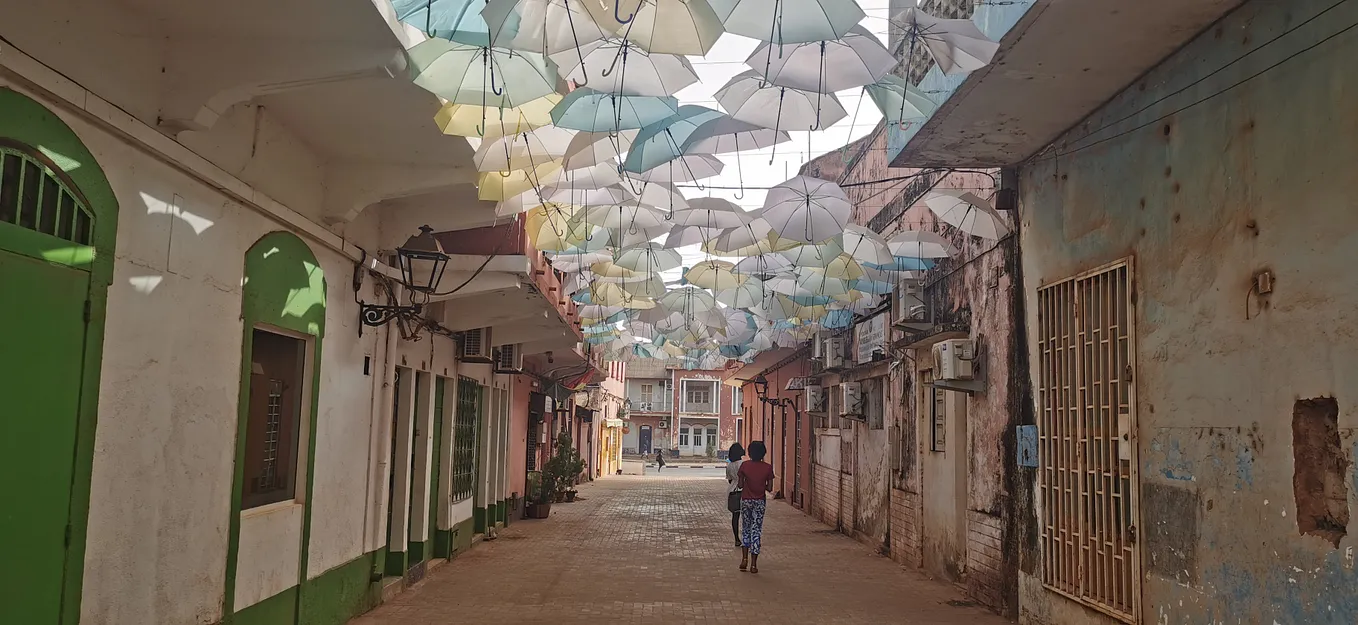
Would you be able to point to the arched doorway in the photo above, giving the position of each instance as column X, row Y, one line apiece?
column 58, row 224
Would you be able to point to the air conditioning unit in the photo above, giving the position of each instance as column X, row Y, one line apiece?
column 476, row 346
column 817, row 347
column 645, row 406
column 910, row 311
column 954, row 359
column 850, row 399
column 815, row 398
column 509, row 359
column 664, row 424
column 817, row 366
column 834, row 352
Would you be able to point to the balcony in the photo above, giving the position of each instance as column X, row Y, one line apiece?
column 1044, row 81
column 644, row 406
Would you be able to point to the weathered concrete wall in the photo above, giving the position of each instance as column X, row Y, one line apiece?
column 1256, row 178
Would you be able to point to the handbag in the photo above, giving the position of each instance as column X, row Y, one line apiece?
column 733, row 501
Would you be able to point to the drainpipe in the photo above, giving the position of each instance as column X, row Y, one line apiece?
column 380, row 436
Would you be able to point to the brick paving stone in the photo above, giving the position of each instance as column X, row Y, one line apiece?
column 659, row 550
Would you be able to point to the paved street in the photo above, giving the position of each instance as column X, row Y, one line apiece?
column 659, row 550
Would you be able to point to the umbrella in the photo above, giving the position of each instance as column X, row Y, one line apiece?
column 545, row 26
column 594, row 148
column 856, row 59
column 631, row 237
column 468, row 74
column 815, row 254
column 902, row 263
column 745, row 295
column 788, row 21
column 523, row 150
column 711, row 212
column 749, row 98
column 622, row 67
column 681, row 236
column 626, row 218
column 647, row 286
column 663, row 141
column 610, row 269
column 726, row 134
column 917, row 244
column 898, row 101
column 747, row 241
column 807, row 209
column 472, row 120
column 967, row 212
column 763, row 265
column 717, row 275
column 842, row 267
column 496, row 186
column 865, row 245
column 957, row 46
column 454, row 20
column 576, row 261
column 664, row 26
column 648, row 258
column 688, row 300
column 686, row 168
column 593, row 111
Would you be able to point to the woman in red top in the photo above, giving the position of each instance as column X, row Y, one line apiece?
column 754, row 478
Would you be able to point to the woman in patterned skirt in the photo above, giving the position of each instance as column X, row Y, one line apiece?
column 755, row 477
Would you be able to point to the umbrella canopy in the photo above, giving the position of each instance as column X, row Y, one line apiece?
column 726, row 134
column 788, row 21
column 473, row 120
column 744, row 295
column 495, row 186
column 815, row 254
column 763, row 265
column 711, row 212
column 681, row 236
column 750, row 98
column 663, row 26
column 917, row 244
column 593, row 111
column 688, row 300
column 545, row 26
column 622, row 67
column 748, row 241
column 588, row 149
column 468, row 74
column 649, row 258
column 686, row 168
column 717, row 275
column 856, row 59
column 663, row 141
column 898, row 101
column 807, row 209
column 957, row 46
column 967, row 212
column 523, row 150
column 453, row 20
column 822, row 283
column 865, row 245
column 626, row 218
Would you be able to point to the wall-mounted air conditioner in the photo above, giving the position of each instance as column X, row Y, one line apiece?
column 834, row 352
column 664, row 424
column 476, row 346
column 909, row 310
column 815, row 398
column 509, row 359
column 645, row 406
column 954, row 359
column 850, row 399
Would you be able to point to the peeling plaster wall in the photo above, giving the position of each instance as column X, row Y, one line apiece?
column 1256, row 178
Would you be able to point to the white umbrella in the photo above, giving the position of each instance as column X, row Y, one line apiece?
column 664, row 26
column 714, row 274
column 820, row 283
column 688, row 300
column 661, row 195
column 749, row 98
column 650, row 258
column 686, row 168
column 625, row 218
column 918, row 244
column 967, row 212
column 622, row 67
column 807, row 209
column 681, row 236
column 855, row 60
column 546, row 26
column 629, row 237
column 763, row 264
column 957, row 46
column 725, row 134
column 815, row 254
column 866, row 246
column 744, row 295
column 712, row 212
column 523, row 150
column 587, row 149
column 788, row 21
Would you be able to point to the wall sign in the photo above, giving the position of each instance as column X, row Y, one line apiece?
column 869, row 337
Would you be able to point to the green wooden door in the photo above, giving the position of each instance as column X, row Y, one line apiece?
column 42, row 344
column 437, row 437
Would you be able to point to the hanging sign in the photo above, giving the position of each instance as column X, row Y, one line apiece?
column 869, row 338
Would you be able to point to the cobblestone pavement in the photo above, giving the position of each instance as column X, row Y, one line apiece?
column 647, row 550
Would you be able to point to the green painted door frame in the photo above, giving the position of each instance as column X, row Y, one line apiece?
column 28, row 125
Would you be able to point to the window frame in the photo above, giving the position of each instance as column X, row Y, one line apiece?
column 737, row 400
column 465, row 440
column 303, row 430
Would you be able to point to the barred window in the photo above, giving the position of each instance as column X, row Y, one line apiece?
column 469, row 397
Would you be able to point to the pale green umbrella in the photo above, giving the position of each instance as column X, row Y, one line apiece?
column 898, row 101
column 468, row 74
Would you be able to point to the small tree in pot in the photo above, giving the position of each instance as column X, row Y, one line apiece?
column 560, row 471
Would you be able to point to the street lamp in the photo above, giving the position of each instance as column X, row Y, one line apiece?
column 761, row 386
column 422, row 262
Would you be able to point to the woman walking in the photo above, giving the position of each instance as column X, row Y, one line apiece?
column 659, row 460
column 754, row 478
column 733, row 497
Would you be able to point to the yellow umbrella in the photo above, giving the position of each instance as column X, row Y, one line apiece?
column 608, row 269
column 843, row 267
column 551, row 228
column 464, row 119
column 767, row 245
column 495, row 186
column 717, row 275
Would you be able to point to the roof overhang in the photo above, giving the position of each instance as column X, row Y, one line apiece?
column 1058, row 62
column 761, row 363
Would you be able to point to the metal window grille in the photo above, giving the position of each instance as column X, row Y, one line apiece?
column 938, row 414
column 464, row 438
column 34, row 196
column 1087, row 468
column 268, row 480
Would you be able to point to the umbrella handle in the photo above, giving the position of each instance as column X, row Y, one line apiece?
column 617, row 6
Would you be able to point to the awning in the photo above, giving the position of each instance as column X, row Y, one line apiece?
column 613, row 423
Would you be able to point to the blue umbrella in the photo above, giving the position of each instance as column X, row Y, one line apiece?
column 904, row 263
column 837, row 319
column 592, row 111
column 871, row 286
column 811, row 300
column 663, row 141
column 455, row 20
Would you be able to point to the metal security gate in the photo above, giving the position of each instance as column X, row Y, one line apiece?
column 1087, row 457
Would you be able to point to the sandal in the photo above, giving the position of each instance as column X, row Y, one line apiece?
column 744, row 564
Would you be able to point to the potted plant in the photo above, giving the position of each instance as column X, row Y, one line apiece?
column 533, row 509
column 562, row 470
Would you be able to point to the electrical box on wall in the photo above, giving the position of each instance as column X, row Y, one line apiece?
column 850, row 399
column 954, row 358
